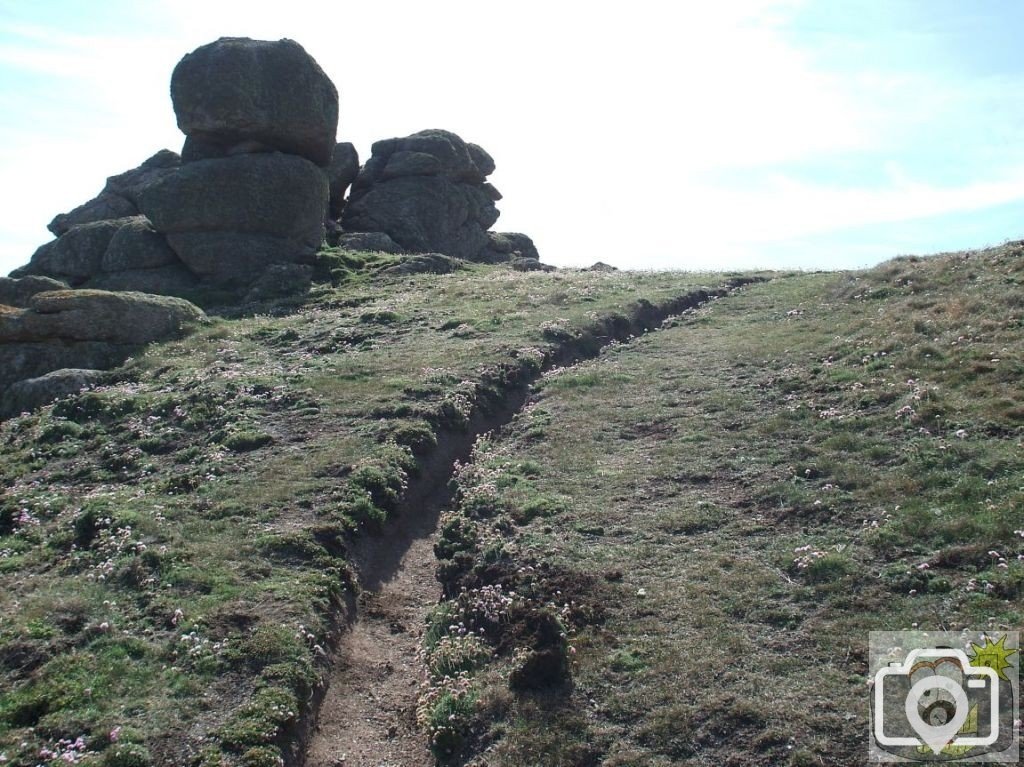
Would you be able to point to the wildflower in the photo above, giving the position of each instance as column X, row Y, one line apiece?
column 115, row 734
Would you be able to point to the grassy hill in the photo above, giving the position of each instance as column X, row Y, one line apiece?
column 711, row 488
column 174, row 553
column 713, row 518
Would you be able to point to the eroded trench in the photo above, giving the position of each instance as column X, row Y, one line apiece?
column 366, row 716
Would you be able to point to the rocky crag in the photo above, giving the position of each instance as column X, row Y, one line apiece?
column 260, row 185
column 260, row 181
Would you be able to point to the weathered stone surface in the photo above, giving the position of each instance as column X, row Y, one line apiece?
column 76, row 255
column 132, row 183
column 237, row 258
column 103, row 207
column 505, row 246
column 17, row 292
column 342, row 171
column 280, row 280
column 25, row 396
column 172, row 280
column 98, row 315
column 273, row 93
column 136, row 245
column 120, row 197
column 425, row 214
column 20, row 361
column 424, row 263
column 427, row 192
column 406, row 163
column 366, row 241
column 272, row 194
column 601, row 266
column 195, row 149
column 481, row 159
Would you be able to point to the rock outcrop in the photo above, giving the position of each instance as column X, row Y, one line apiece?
column 246, row 194
column 261, row 180
column 90, row 329
column 428, row 192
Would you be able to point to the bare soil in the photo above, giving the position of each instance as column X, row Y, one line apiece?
column 368, row 716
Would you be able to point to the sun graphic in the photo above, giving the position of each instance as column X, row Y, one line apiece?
column 993, row 654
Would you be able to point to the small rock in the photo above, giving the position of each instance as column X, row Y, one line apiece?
column 530, row 265
column 136, row 245
column 366, row 241
column 280, row 280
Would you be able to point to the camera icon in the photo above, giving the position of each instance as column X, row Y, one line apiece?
column 938, row 695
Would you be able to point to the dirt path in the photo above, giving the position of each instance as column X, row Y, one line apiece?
column 368, row 717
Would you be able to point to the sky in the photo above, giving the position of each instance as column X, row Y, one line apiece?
column 648, row 135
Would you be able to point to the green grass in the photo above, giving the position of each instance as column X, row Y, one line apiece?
column 172, row 566
column 743, row 496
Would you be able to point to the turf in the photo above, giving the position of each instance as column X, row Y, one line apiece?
column 715, row 515
column 173, row 547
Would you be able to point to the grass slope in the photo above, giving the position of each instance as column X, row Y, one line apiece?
column 675, row 553
column 172, row 547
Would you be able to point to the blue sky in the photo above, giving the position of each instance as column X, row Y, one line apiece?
column 760, row 133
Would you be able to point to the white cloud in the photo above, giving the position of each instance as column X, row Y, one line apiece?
column 636, row 134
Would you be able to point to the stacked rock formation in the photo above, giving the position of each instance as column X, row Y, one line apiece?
column 429, row 193
column 259, row 182
column 243, row 209
column 259, row 118
column 249, row 190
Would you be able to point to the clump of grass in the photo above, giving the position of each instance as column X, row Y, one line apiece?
column 244, row 441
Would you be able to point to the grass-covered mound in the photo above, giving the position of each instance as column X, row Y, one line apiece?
column 173, row 547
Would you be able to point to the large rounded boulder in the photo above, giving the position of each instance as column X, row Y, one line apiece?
column 229, row 218
column 99, row 315
column 241, row 95
column 269, row 193
column 92, row 329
